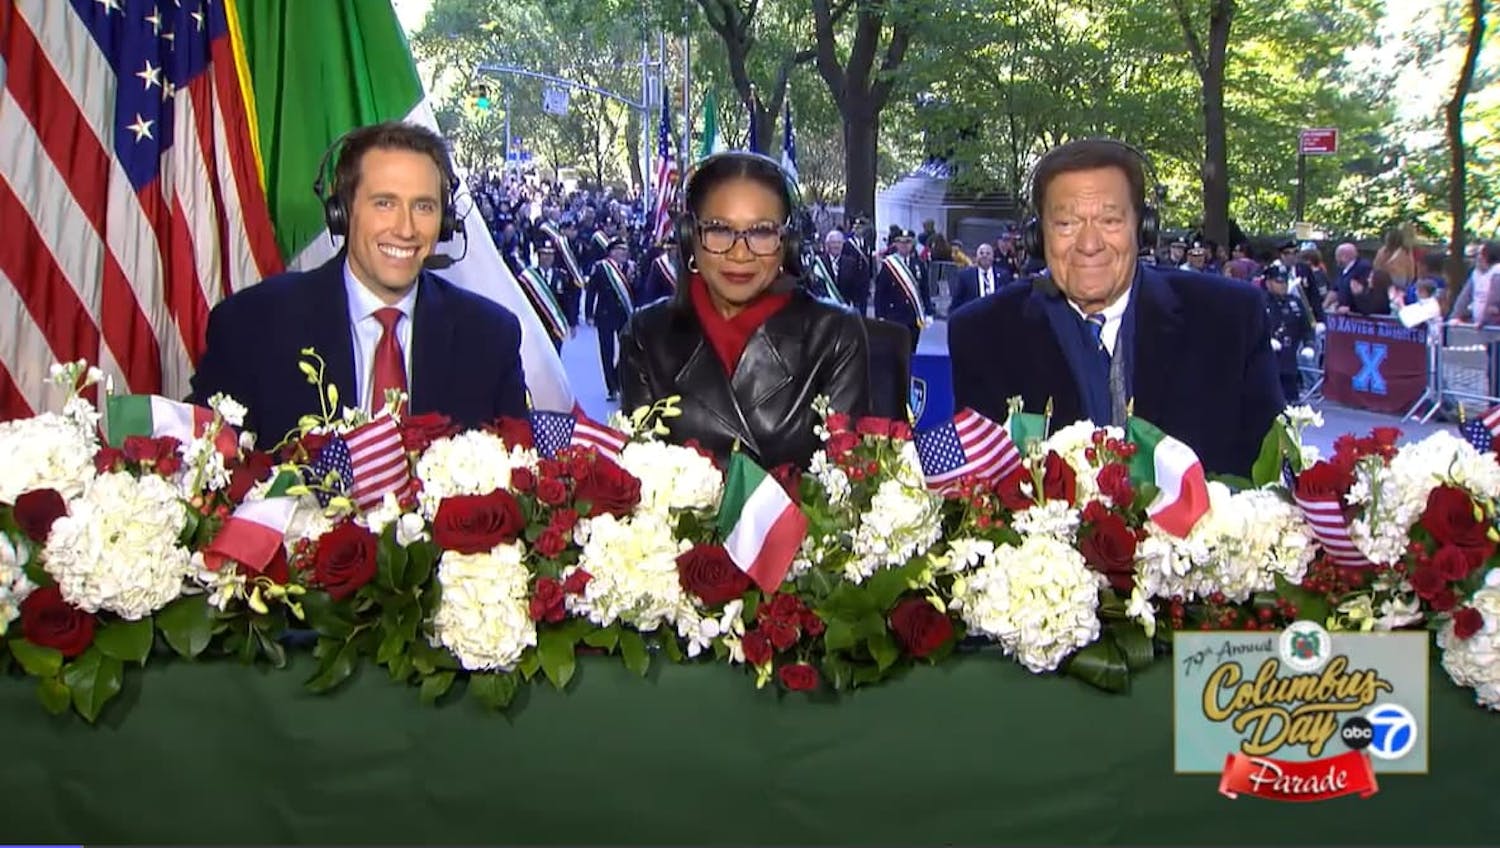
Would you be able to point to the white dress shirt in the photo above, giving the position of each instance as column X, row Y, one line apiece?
column 366, row 331
column 1114, row 314
column 986, row 280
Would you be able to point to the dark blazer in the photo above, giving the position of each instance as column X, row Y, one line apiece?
column 600, row 303
column 1358, row 270
column 848, row 273
column 1204, row 371
column 807, row 349
column 654, row 284
column 891, row 302
column 966, row 286
column 465, row 357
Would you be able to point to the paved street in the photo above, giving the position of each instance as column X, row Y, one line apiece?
column 581, row 358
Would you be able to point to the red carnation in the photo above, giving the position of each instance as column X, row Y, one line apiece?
column 1427, row 581
column 920, row 627
column 840, row 444
column 547, row 601
column 420, row 431
column 901, row 431
column 473, row 524
column 161, row 455
column 757, row 648
column 811, row 624
column 838, row 422
column 1466, row 622
column 1323, row 482
column 345, row 560
column 798, row 677
column 551, row 543
column 108, row 459
column 50, row 621
column 36, row 510
column 707, row 572
column 565, row 520
column 576, row 582
column 873, row 426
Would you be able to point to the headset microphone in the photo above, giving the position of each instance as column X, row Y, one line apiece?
column 444, row 261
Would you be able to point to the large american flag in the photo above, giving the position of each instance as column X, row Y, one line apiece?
column 553, row 431
column 130, row 198
column 368, row 461
column 969, row 445
column 666, row 175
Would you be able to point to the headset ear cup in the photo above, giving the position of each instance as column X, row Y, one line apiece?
column 335, row 216
column 791, row 253
column 1150, row 226
column 1031, row 236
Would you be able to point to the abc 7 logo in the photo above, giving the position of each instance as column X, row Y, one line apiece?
column 1388, row 731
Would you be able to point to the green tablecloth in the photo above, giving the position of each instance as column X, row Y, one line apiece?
column 977, row 751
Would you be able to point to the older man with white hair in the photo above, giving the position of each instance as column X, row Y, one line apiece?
column 839, row 275
column 983, row 279
column 1351, row 268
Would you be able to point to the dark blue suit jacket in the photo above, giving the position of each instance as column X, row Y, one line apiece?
column 1203, row 366
column 966, row 286
column 465, row 357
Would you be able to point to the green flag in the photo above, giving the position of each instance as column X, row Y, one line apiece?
column 710, row 142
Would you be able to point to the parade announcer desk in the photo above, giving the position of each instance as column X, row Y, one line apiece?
column 974, row 752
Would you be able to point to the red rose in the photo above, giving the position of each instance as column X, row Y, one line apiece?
column 811, row 624
column 919, row 627
column 798, row 677
column 107, row 459
column 256, row 467
column 783, row 633
column 873, row 426
column 757, row 648
column 1109, row 548
column 1451, row 563
column 781, row 607
column 581, row 466
column 565, row 520
column 1467, row 622
column 551, row 543
column 515, row 432
column 901, row 431
column 549, row 468
column 420, row 431
column 838, row 422
column 36, row 510
column 1449, row 517
column 840, row 444
column 575, row 582
column 345, row 560
column 707, row 572
column 1324, row 482
column 1011, row 490
column 609, row 489
column 522, row 479
column 1427, row 581
column 474, row 524
column 160, row 454
column 551, row 491
column 1443, row 600
column 547, row 601
column 50, row 621
column 1059, row 483
column 1114, row 483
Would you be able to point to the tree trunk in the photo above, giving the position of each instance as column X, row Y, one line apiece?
column 633, row 147
column 1209, row 60
column 861, row 139
column 1457, row 168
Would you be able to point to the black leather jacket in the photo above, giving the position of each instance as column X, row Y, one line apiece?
column 809, row 348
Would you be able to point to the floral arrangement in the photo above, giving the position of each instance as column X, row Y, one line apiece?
column 483, row 560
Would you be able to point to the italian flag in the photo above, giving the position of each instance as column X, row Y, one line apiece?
column 315, row 69
column 155, row 417
column 1174, row 468
column 1026, row 429
column 251, row 535
column 762, row 528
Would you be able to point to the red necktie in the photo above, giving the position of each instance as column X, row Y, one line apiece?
column 390, row 367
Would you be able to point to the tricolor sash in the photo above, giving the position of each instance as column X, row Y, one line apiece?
column 617, row 280
column 908, row 282
column 826, row 277
column 545, row 303
column 667, row 267
column 601, row 239
column 570, row 261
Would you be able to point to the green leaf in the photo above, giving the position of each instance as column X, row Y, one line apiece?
column 1101, row 665
column 126, row 641
column 390, row 565
column 188, row 624
column 884, row 650
column 334, row 669
column 94, row 679
column 426, row 659
column 54, row 695
column 269, row 647
column 1267, row 467
column 555, row 647
column 839, row 635
column 605, row 638
column 670, row 647
column 494, row 691
column 837, row 671
column 391, row 647
column 420, row 558
column 436, row 686
column 1135, row 646
column 37, row 660
column 633, row 652
column 530, row 664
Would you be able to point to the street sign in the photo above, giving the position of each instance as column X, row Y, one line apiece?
column 1318, row 142
column 555, row 100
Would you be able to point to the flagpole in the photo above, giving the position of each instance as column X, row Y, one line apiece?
column 687, row 98
column 646, row 123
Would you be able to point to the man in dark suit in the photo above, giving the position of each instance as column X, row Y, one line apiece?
column 901, row 292
column 1100, row 333
column 982, row 279
column 838, row 274
column 1352, row 267
column 607, row 305
column 378, row 320
column 659, row 276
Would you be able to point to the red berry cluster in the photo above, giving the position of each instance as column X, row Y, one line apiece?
column 1216, row 612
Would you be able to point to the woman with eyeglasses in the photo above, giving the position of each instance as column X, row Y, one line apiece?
column 744, row 347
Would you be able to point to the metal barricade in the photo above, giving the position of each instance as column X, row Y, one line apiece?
column 1466, row 366
column 940, row 278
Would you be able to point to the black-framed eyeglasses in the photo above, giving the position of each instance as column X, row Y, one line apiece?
column 761, row 239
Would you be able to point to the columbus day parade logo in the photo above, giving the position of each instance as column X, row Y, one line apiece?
column 1305, row 715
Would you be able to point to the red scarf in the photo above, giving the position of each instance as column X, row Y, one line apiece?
column 728, row 336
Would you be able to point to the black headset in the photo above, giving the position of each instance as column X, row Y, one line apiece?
column 1148, row 215
column 686, row 225
column 336, row 212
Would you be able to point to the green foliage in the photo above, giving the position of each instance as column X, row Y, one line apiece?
column 187, row 624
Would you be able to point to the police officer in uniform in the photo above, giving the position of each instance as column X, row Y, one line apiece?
column 1290, row 329
column 607, row 305
column 901, row 277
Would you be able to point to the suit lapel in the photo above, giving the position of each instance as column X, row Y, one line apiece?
column 762, row 371
column 1159, row 312
column 1048, row 357
column 328, row 330
column 432, row 342
column 702, row 377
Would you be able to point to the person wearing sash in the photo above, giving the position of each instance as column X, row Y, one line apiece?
column 901, row 293
column 1101, row 336
column 548, row 289
column 596, row 245
column 837, row 275
column 607, row 306
column 741, row 345
column 659, row 275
